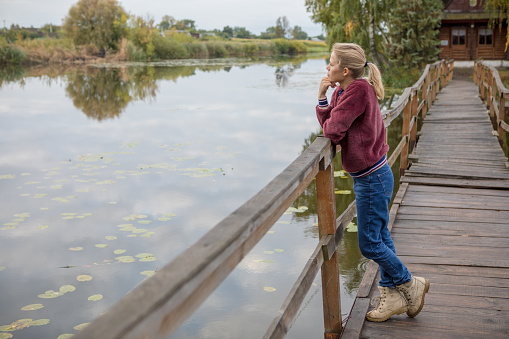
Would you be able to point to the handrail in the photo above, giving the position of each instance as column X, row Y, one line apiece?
column 494, row 93
column 156, row 308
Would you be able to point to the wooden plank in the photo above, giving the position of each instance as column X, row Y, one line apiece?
column 326, row 212
column 456, row 182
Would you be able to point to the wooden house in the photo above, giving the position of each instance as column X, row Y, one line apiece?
column 465, row 35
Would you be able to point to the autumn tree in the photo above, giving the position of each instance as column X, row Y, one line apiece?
column 499, row 12
column 414, row 32
column 167, row 22
column 299, row 34
column 364, row 22
column 282, row 27
column 98, row 22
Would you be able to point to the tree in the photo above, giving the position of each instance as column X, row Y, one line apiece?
column 282, row 26
column 414, row 32
column 241, row 33
column 227, row 31
column 364, row 22
column 270, row 33
column 167, row 22
column 299, row 34
column 185, row 24
column 98, row 22
column 499, row 12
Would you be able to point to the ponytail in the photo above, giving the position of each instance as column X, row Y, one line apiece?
column 352, row 56
column 375, row 80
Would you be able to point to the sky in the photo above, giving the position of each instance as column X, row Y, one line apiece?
column 254, row 15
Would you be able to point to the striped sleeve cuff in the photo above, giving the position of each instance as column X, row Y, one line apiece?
column 323, row 102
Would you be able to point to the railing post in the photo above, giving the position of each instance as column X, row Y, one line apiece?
column 413, row 133
column 488, row 99
column 403, row 162
column 326, row 211
column 481, row 87
column 424, row 91
column 501, row 117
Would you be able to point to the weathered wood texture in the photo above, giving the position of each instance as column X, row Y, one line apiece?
column 451, row 226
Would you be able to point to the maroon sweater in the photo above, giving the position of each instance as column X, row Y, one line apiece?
column 355, row 122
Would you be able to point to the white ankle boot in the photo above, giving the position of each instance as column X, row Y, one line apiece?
column 414, row 292
column 391, row 302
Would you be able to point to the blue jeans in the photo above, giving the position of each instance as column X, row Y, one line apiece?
column 373, row 193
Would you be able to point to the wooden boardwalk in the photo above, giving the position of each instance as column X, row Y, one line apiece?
column 450, row 223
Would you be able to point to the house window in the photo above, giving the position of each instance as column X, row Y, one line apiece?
column 458, row 36
column 485, row 36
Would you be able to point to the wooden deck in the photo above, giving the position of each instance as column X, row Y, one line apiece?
column 450, row 224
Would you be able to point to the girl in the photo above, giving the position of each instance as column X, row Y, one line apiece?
column 354, row 121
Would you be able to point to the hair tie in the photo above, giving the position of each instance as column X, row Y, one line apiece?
column 366, row 64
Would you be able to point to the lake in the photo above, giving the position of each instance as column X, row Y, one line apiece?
column 108, row 172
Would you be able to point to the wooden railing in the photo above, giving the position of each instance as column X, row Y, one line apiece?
column 163, row 302
column 494, row 93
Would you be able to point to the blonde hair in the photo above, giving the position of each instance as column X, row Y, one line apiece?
column 352, row 56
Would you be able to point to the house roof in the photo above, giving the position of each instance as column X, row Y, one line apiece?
column 464, row 10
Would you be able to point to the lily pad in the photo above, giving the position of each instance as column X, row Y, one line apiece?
column 101, row 245
column 126, row 259
column 83, row 277
column 7, row 176
column 52, row 294
column 269, row 289
column 65, row 336
column 351, row 227
column 119, row 251
column 148, row 273
column 42, row 227
column 95, row 297
column 32, row 307
column 110, row 237
column 79, row 248
column 23, row 323
column 80, row 326
column 5, row 335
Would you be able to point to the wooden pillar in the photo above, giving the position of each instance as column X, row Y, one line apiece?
column 502, row 117
column 481, row 87
column 413, row 132
column 488, row 98
column 403, row 162
column 326, row 211
column 424, row 92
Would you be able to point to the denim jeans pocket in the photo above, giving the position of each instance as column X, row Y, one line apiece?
column 387, row 181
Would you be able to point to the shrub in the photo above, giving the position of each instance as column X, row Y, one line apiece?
column 169, row 48
column 197, row 50
column 216, row 49
column 289, row 46
column 135, row 53
column 11, row 54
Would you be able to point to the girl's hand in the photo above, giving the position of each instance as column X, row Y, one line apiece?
column 324, row 86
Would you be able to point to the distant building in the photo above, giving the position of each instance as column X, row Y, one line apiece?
column 465, row 35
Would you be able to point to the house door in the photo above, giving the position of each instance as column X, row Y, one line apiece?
column 459, row 43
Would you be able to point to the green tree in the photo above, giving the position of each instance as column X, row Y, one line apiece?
column 142, row 32
column 298, row 33
column 499, row 12
column 364, row 22
column 98, row 22
column 282, row 27
column 241, row 33
column 414, row 32
column 270, row 33
column 167, row 22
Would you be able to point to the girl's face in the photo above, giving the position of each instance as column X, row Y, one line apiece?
column 335, row 71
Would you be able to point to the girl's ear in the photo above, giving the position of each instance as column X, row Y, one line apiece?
column 346, row 71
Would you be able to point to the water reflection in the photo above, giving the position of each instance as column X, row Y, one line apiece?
column 104, row 91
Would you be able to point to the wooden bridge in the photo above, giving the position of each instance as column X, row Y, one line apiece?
column 450, row 222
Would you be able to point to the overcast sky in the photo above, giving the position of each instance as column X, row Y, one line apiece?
column 255, row 15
